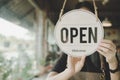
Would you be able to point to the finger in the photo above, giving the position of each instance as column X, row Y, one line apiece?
column 69, row 59
column 83, row 59
column 70, row 62
column 104, row 49
column 75, row 59
column 108, row 46
column 80, row 63
column 108, row 42
column 101, row 52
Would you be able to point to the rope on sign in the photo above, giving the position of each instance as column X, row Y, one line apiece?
column 95, row 9
column 62, row 10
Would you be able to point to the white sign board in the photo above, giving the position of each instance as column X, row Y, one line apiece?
column 78, row 33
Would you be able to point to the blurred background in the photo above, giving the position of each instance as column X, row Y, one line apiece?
column 27, row 47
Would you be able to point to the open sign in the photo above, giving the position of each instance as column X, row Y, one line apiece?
column 78, row 33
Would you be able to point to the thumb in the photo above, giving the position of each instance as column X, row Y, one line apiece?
column 82, row 61
column 80, row 64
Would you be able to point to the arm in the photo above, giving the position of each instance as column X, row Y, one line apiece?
column 74, row 65
column 59, row 76
column 113, row 65
column 108, row 50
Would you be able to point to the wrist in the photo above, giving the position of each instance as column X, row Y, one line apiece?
column 115, row 70
column 113, row 63
column 69, row 72
column 111, row 60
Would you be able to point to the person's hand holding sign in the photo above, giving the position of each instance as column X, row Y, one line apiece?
column 75, row 64
column 108, row 49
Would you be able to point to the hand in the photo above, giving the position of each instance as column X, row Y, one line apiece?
column 75, row 64
column 108, row 49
